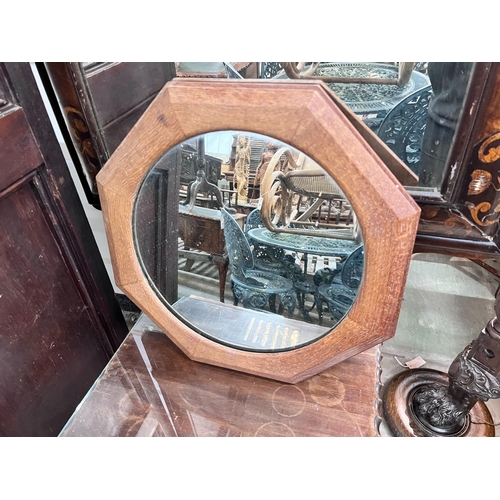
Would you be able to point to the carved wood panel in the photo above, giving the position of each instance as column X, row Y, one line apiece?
column 97, row 104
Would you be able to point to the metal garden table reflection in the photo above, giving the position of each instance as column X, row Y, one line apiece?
column 306, row 245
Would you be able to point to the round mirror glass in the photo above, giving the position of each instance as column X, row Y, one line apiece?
column 249, row 241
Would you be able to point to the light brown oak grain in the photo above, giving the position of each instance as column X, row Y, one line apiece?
column 305, row 116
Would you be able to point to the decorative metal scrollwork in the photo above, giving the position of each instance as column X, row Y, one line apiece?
column 371, row 96
column 270, row 69
column 252, row 286
column 249, row 298
column 403, row 128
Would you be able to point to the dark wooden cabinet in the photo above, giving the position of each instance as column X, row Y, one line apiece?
column 462, row 217
column 201, row 230
column 97, row 103
column 60, row 321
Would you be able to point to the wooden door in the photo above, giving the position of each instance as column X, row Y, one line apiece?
column 60, row 322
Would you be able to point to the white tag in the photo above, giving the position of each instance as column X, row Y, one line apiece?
column 311, row 264
column 259, row 206
column 415, row 363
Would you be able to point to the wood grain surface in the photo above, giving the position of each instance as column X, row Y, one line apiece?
column 151, row 389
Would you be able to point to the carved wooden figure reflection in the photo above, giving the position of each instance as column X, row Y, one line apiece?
column 242, row 167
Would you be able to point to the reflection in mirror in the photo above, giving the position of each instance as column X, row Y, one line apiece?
column 421, row 127
column 417, row 120
column 249, row 241
column 449, row 83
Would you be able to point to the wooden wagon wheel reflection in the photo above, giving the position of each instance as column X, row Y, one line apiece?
column 276, row 207
column 280, row 189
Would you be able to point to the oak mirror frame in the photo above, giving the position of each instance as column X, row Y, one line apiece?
column 307, row 116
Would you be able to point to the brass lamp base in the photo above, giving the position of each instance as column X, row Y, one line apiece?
column 400, row 406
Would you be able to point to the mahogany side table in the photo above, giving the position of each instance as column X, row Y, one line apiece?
column 150, row 388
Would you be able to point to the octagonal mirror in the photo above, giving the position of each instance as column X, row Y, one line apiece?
column 301, row 246
column 258, row 226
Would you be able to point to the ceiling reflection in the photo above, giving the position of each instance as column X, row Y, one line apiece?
column 249, row 241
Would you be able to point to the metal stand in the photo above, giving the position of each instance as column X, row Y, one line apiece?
column 431, row 403
column 201, row 184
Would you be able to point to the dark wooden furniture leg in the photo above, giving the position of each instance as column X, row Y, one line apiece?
column 222, row 264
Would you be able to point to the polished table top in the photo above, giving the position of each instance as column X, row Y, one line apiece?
column 305, row 244
column 150, row 388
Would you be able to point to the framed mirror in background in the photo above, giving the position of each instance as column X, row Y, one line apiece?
column 442, row 123
column 458, row 214
column 316, row 150
column 460, row 218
